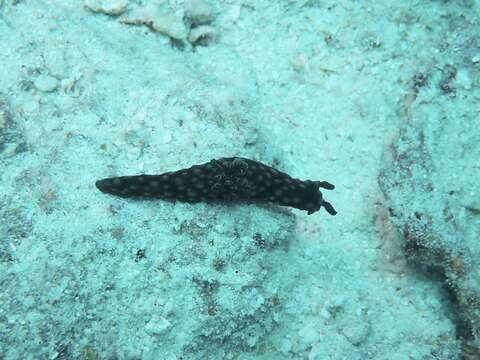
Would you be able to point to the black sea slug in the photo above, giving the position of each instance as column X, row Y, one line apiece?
column 232, row 179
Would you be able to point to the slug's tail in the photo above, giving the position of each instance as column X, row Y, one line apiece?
column 129, row 186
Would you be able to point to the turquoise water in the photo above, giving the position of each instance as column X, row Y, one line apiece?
column 379, row 98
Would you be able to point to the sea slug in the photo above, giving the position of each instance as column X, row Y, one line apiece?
column 232, row 179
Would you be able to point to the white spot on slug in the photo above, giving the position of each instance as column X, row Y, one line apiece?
column 178, row 181
column 199, row 185
column 196, row 171
column 154, row 183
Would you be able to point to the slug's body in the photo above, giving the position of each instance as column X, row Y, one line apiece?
column 232, row 179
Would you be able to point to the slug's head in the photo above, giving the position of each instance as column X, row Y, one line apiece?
column 314, row 198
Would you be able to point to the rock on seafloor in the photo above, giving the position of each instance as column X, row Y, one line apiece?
column 431, row 183
column 165, row 21
column 108, row 7
column 46, row 83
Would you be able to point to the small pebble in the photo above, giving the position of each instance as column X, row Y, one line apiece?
column 46, row 83
column 299, row 63
column 198, row 12
column 201, row 35
column 109, row 7
column 167, row 23
column 463, row 79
